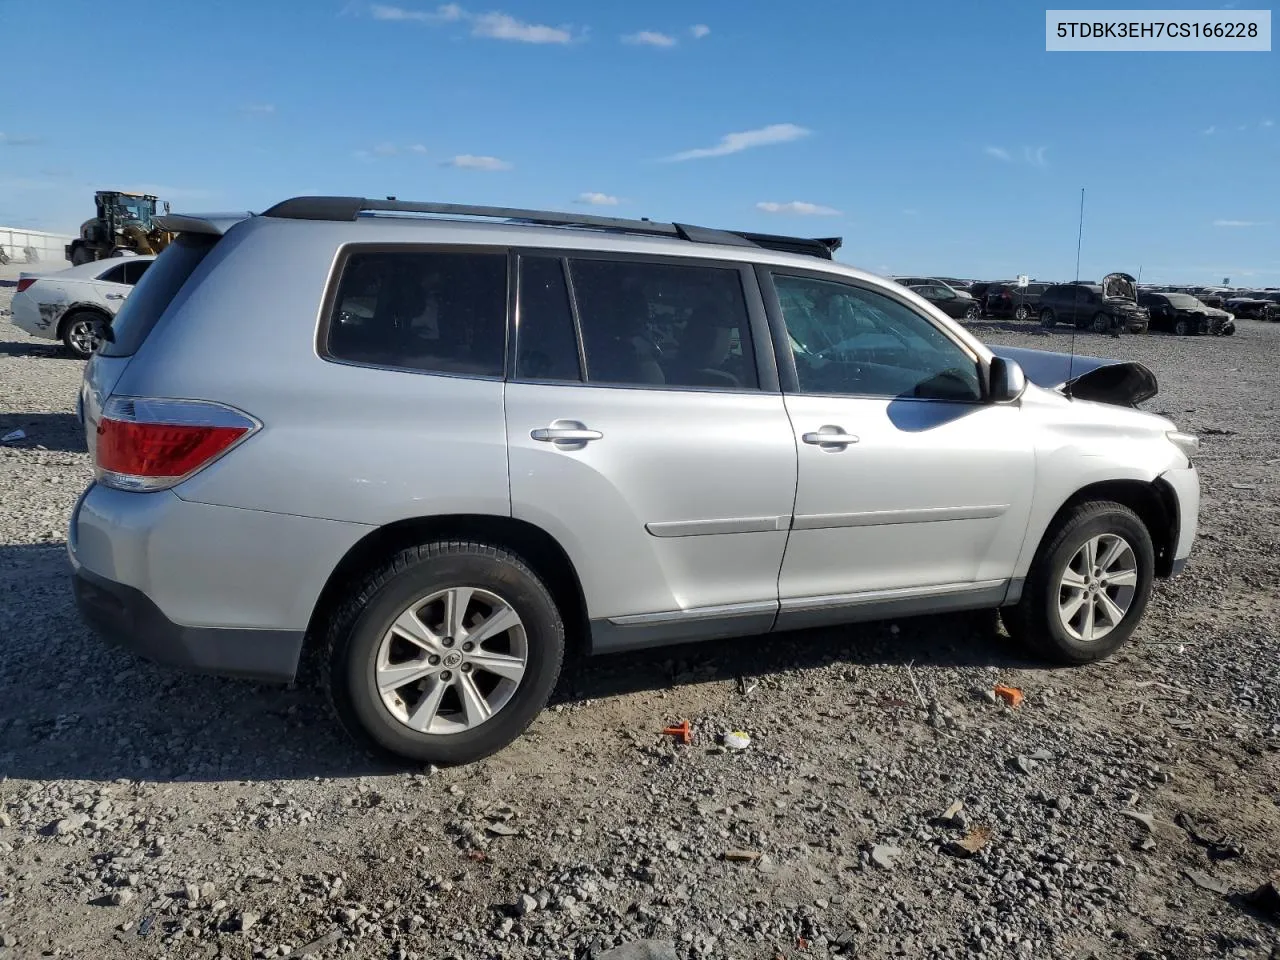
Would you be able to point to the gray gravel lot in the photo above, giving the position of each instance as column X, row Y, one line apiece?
column 145, row 813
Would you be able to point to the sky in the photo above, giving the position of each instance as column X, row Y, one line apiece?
column 935, row 137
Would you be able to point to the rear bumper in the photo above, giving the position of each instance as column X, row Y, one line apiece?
column 126, row 618
column 209, row 588
column 28, row 318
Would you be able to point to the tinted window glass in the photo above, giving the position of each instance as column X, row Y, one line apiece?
column 657, row 324
column 851, row 341
column 546, row 344
column 154, row 292
column 114, row 275
column 134, row 270
column 437, row 312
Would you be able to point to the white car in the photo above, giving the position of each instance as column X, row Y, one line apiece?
column 73, row 305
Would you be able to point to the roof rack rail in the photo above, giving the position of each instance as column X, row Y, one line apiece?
column 349, row 208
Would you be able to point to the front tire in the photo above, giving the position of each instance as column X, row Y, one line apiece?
column 1181, row 328
column 973, row 312
column 446, row 654
column 1048, row 319
column 1022, row 312
column 1101, row 323
column 1088, row 585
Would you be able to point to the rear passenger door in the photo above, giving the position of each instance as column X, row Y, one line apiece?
column 647, row 434
column 112, row 287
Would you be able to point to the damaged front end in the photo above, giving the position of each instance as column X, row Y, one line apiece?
column 1124, row 383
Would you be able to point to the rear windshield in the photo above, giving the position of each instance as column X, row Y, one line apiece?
column 158, row 286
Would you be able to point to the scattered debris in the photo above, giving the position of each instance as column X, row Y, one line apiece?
column 13, row 436
column 246, row 921
column 737, row 740
column 951, row 813
column 145, row 926
column 1023, row 764
column 1146, row 819
column 746, row 689
column 1223, row 848
column 681, row 731
column 915, row 686
column 1244, row 486
column 526, row 905
column 1206, row 882
column 1145, row 843
column 970, row 843
column 319, row 943
column 742, row 856
column 502, row 829
column 1012, row 696
column 766, row 864
column 1041, row 755
column 884, row 855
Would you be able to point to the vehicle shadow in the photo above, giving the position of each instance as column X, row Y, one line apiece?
column 96, row 713
column 53, row 431
column 32, row 348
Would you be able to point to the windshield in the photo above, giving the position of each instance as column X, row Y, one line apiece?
column 135, row 208
column 1184, row 301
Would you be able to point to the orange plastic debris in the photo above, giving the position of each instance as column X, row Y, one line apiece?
column 681, row 731
column 1010, row 695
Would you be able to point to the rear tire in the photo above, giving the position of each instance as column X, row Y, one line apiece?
column 367, row 644
column 82, row 334
column 1044, row 620
column 1048, row 319
column 1181, row 328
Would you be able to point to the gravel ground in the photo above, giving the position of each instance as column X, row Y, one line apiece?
column 145, row 813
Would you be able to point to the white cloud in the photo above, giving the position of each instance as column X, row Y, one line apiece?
column 737, row 142
column 17, row 140
column 1035, row 157
column 467, row 161
column 1243, row 127
column 1209, row 130
column 446, row 13
column 260, row 109
column 598, row 199
column 418, row 148
column 699, row 30
column 1242, row 223
column 386, row 150
column 911, row 212
column 797, row 207
column 1000, row 153
column 650, row 38
column 1267, row 123
column 502, row 26
column 495, row 26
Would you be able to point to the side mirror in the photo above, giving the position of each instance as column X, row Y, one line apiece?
column 166, row 206
column 1007, row 381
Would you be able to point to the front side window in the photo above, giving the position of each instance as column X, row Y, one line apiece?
column 851, row 341
column 428, row 311
column 659, row 324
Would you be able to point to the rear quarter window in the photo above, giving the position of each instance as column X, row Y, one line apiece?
column 154, row 292
column 430, row 311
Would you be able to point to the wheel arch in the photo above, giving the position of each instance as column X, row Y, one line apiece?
column 75, row 308
column 1154, row 502
column 541, row 551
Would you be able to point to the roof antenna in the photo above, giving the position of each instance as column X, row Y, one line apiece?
column 1071, row 364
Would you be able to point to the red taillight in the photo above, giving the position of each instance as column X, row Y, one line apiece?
column 153, row 444
column 1004, row 295
column 24, row 283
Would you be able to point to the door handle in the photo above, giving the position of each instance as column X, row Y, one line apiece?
column 115, row 296
column 565, row 434
column 829, row 436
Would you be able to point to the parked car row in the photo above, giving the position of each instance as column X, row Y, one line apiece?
column 1116, row 303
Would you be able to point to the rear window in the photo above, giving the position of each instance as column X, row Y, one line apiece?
column 155, row 291
column 426, row 311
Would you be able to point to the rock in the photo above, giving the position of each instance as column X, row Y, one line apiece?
column 766, row 864
column 737, row 740
column 1023, row 764
column 505, row 926
column 122, row 898
column 9, row 940
column 1266, row 898
column 526, row 905
column 641, row 950
column 246, row 921
column 501, row 829
column 1206, row 882
column 1146, row 819
column 70, row 825
column 207, row 890
column 949, row 815
column 742, row 856
column 4, row 820
column 884, row 855
column 192, row 892
column 543, row 897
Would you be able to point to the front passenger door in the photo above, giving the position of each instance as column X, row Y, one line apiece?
column 910, row 484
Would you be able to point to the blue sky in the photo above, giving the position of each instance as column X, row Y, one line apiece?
column 933, row 136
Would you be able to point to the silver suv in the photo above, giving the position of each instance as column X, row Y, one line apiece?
column 442, row 443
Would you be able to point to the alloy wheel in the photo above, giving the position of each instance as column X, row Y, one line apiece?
column 1097, row 587
column 84, row 337
column 451, row 660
